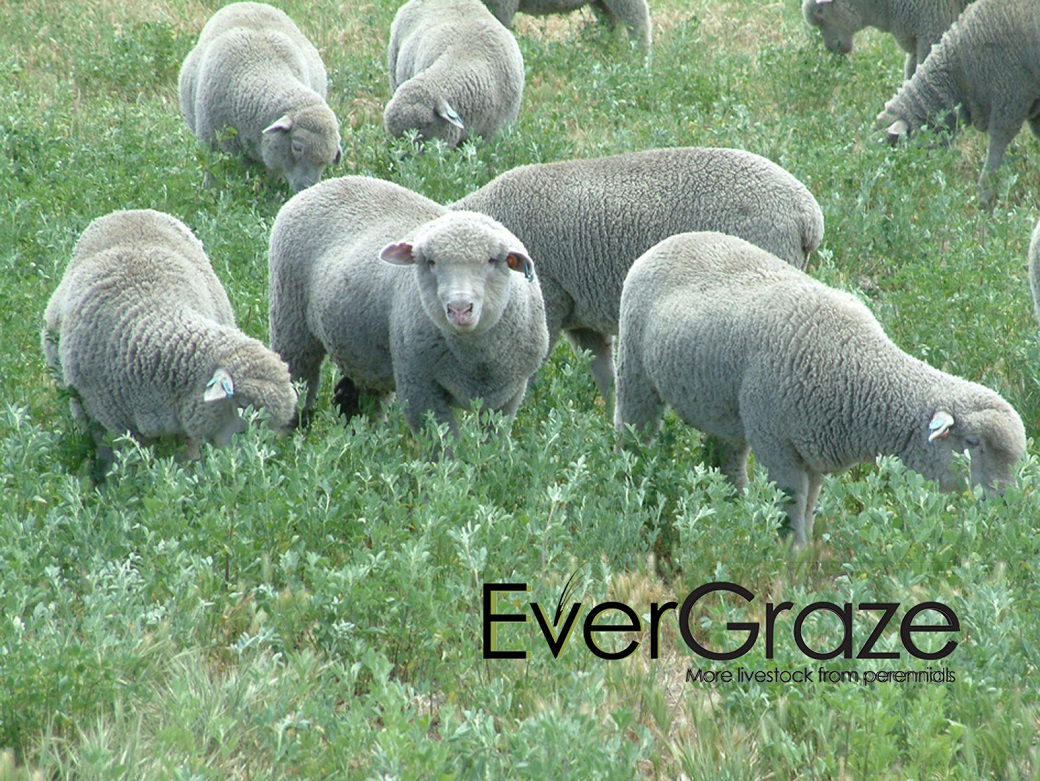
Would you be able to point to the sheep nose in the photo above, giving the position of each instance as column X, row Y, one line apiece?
column 461, row 314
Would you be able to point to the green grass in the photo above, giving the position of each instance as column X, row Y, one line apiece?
column 310, row 606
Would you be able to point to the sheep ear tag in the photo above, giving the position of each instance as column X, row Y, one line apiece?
column 221, row 386
column 450, row 115
column 940, row 426
column 519, row 262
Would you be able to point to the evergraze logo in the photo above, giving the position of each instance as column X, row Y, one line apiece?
column 621, row 620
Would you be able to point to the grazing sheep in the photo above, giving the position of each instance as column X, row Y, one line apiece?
column 634, row 14
column 983, row 72
column 455, row 71
column 459, row 325
column 141, row 330
column 916, row 24
column 759, row 354
column 254, row 85
column 586, row 221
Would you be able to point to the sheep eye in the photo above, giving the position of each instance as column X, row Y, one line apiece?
column 492, row 261
column 972, row 443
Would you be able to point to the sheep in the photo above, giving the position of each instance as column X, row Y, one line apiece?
column 586, row 221
column 755, row 352
column 634, row 14
column 254, row 85
column 455, row 72
column 142, row 332
column 917, row 25
column 460, row 325
column 983, row 72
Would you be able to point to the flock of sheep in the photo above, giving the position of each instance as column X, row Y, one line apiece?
column 692, row 257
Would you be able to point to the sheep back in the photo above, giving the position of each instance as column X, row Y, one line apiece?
column 586, row 221
column 140, row 325
column 387, row 327
column 455, row 71
column 255, row 85
column 757, row 353
column 983, row 73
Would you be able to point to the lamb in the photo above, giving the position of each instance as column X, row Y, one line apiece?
column 917, row 25
column 254, row 85
column 983, row 72
column 142, row 331
column 744, row 347
column 586, row 221
column 455, row 72
column 460, row 324
column 634, row 14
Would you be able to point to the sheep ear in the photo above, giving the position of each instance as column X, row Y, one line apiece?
column 399, row 253
column 518, row 261
column 284, row 123
column 449, row 115
column 940, row 426
column 221, row 386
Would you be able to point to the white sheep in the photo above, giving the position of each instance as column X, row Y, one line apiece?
column 142, row 331
column 634, row 14
column 755, row 352
column 982, row 72
column 455, row 71
column 462, row 321
column 254, row 85
column 916, row 25
column 586, row 221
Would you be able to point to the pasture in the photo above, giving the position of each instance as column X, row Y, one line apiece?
column 312, row 606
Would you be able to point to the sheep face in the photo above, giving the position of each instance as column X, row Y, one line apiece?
column 836, row 20
column 300, row 146
column 992, row 435
column 463, row 264
column 415, row 107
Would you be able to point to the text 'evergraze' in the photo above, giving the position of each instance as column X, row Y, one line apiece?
column 557, row 631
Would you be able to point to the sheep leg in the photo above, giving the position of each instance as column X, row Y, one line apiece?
column 638, row 403
column 512, row 405
column 422, row 395
column 786, row 469
column 104, row 455
column 504, row 11
column 1034, row 125
column 306, row 366
column 634, row 15
column 602, row 368
column 733, row 456
column 347, row 397
column 998, row 144
column 815, row 484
